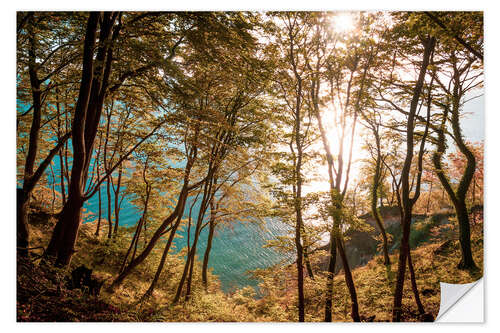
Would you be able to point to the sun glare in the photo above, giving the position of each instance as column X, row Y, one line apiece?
column 343, row 22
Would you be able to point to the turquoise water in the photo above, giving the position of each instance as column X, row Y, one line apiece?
column 235, row 251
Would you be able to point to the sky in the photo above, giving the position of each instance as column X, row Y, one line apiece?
column 473, row 121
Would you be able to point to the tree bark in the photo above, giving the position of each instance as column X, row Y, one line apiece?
column 24, row 195
column 110, row 218
column 211, row 231
column 329, row 282
column 171, row 236
column 66, row 229
column 117, row 197
column 375, row 188
column 414, row 286
column 407, row 202
column 188, row 267
column 152, row 242
column 349, row 280
column 457, row 198
column 178, row 210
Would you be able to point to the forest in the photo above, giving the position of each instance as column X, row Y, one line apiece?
column 246, row 166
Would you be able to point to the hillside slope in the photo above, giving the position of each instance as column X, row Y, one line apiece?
column 43, row 294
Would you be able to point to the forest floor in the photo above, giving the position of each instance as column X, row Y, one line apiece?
column 43, row 294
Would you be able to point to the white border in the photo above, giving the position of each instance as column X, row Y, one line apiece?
column 7, row 129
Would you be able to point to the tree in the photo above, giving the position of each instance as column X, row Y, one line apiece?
column 344, row 70
column 374, row 121
column 43, row 58
column 463, row 76
column 176, row 91
column 293, row 34
column 96, row 70
column 428, row 43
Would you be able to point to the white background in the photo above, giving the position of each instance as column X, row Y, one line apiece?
column 492, row 184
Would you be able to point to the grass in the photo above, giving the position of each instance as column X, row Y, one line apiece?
column 49, row 300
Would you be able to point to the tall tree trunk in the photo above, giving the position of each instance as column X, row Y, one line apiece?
column 458, row 197
column 98, row 165
column 99, row 216
column 329, row 282
column 467, row 261
column 22, row 223
column 61, row 162
column 117, row 197
column 137, row 233
column 374, row 192
column 25, row 194
column 211, row 230
column 308, row 263
column 179, row 209
column 407, row 202
column 85, row 123
column 348, row 278
column 414, row 286
column 171, row 236
column 300, row 264
column 206, row 201
column 63, row 187
column 403, row 253
column 110, row 218
column 189, row 279
column 53, row 186
column 427, row 207
column 187, row 273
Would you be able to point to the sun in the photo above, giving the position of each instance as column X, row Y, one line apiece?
column 343, row 22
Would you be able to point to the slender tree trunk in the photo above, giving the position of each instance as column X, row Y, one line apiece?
column 427, row 208
column 403, row 253
column 53, row 185
column 407, row 202
column 61, row 162
column 22, row 223
column 414, row 286
column 349, row 280
column 63, row 188
column 179, row 209
column 186, row 277
column 189, row 280
column 329, row 282
column 375, row 211
column 378, row 219
column 300, row 264
column 133, row 243
column 458, row 197
column 117, row 196
column 85, row 123
column 308, row 263
column 110, row 218
column 99, row 217
column 467, row 261
column 24, row 200
column 171, row 236
column 211, row 230
column 305, row 247
column 183, row 278
column 208, row 196
column 137, row 233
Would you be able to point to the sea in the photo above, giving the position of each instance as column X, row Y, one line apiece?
column 236, row 250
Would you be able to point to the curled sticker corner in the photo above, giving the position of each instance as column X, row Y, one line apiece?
column 451, row 294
